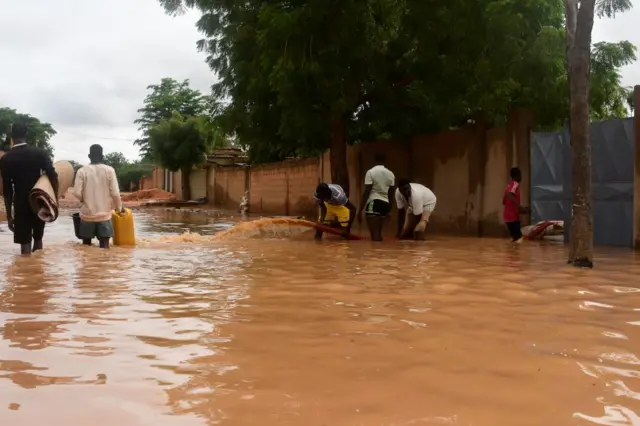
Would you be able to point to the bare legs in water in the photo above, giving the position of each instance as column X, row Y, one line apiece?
column 102, row 242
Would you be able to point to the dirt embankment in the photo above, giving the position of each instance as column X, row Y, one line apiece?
column 148, row 195
column 129, row 199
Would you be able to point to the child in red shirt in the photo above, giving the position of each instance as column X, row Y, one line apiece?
column 512, row 208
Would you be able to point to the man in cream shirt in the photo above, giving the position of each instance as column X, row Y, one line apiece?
column 415, row 203
column 96, row 186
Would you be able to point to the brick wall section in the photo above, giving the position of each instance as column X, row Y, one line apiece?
column 284, row 188
column 146, row 182
column 466, row 168
column 442, row 162
column 229, row 187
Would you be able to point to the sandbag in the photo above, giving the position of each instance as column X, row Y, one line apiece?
column 42, row 198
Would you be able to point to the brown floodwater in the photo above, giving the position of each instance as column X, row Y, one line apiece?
column 259, row 331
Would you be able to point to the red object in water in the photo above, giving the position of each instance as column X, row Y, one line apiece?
column 336, row 231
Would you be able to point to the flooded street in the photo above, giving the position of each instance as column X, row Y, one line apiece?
column 267, row 332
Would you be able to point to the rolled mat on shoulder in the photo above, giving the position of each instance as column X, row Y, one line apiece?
column 42, row 198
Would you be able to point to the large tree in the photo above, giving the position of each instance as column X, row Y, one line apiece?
column 163, row 99
column 180, row 143
column 579, row 25
column 38, row 133
column 302, row 77
column 296, row 72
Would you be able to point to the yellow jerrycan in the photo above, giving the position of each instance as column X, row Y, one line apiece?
column 123, row 231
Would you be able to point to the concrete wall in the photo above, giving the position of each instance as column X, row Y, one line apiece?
column 496, row 171
column 284, row 188
column 147, row 182
column 198, row 183
column 177, row 185
column 467, row 168
column 228, row 187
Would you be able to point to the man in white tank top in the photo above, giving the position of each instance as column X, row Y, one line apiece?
column 96, row 186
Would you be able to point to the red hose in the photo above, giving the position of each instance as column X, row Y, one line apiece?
column 336, row 231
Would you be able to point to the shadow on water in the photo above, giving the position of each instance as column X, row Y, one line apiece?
column 450, row 331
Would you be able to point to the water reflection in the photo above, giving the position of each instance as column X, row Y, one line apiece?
column 278, row 332
column 26, row 295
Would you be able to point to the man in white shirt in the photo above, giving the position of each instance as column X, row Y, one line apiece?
column 96, row 186
column 415, row 203
column 376, row 197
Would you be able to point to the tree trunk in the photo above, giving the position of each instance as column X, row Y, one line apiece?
column 579, row 57
column 338, row 153
column 186, row 187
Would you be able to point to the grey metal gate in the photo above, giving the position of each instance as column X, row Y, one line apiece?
column 612, row 184
column 547, row 176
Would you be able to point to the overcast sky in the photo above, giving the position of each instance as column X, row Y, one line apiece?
column 83, row 65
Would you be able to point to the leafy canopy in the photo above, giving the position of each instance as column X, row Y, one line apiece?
column 126, row 171
column 180, row 142
column 390, row 68
column 116, row 160
column 132, row 172
column 163, row 99
column 38, row 133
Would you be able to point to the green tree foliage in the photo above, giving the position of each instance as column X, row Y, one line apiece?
column 305, row 76
column 132, row 173
column 180, row 143
column 607, row 97
column 116, row 160
column 39, row 133
column 163, row 99
column 128, row 172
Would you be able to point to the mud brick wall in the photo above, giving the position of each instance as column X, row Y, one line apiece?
column 284, row 188
column 229, row 186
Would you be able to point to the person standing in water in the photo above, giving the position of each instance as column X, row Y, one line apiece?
column 415, row 203
column 96, row 186
column 21, row 168
column 376, row 197
column 335, row 208
column 512, row 209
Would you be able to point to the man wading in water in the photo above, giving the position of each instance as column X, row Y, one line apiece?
column 96, row 187
column 377, row 195
column 21, row 168
column 415, row 204
column 335, row 209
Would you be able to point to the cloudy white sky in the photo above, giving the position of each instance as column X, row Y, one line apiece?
column 83, row 65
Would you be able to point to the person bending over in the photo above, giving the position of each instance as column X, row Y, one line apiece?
column 21, row 168
column 336, row 210
column 96, row 186
column 415, row 203
column 377, row 195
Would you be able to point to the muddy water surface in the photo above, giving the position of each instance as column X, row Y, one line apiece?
column 289, row 332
